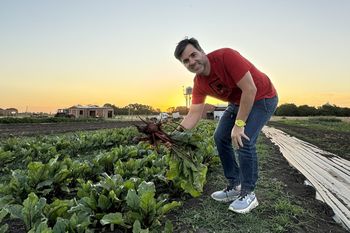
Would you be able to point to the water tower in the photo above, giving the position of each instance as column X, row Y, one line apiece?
column 188, row 95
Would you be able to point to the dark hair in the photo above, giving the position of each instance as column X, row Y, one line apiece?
column 182, row 45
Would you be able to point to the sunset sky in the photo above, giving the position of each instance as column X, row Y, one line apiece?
column 55, row 54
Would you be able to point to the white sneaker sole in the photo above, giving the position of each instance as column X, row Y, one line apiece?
column 227, row 199
column 252, row 205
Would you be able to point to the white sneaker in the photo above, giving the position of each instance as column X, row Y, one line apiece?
column 245, row 203
column 228, row 194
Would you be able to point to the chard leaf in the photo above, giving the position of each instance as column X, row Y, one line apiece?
column 61, row 225
column 132, row 216
column 57, row 209
column 136, row 228
column 37, row 171
column 167, row 207
column 61, row 176
column 133, row 200
column 148, row 204
column 42, row 228
column 112, row 218
column 103, row 202
column 188, row 187
column 168, row 227
column 3, row 214
column 146, row 187
column 32, row 209
column 89, row 202
column 4, row 228
column 174, row 170
column 79, row 222
column 5, row 200
column 44, row 183
column 14, row 210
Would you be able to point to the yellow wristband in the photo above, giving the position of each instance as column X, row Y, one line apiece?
column 240, row 123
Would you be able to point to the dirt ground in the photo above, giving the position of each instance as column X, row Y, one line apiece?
column 30, row 129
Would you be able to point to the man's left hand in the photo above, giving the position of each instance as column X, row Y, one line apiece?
column 237, row 134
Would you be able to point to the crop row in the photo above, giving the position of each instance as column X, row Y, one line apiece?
column 125, row 186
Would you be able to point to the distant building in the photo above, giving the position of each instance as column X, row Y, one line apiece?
column 8, row 112
column 92, row 111
column 216, row 112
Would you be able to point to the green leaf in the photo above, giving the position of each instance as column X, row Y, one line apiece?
column 148, row 204
column 14, row 210
column 112, row 218
column 79, row 222
column 131, row 216
column 133, row 200
column 3, row 214
column 168, row 227
column 61, row 225
column 37, row 171
column 90, row 202
column 104, row 203
column 5, row 200
column 32, row 209
column 174, row 170
column 167, row 207
column 188, row 187
column 4, row 228
column 136, row 228
column 57, row 209
column 146, row 187
column 42, row 228
column 44, row 183
column 61, row 176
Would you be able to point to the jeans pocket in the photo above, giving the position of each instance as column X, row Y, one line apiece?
column 270, row 104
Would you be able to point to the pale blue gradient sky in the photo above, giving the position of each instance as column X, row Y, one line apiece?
column 54, row 54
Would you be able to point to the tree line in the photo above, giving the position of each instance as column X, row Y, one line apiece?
column 142, row 109
column 288, row 109
column 305, row 110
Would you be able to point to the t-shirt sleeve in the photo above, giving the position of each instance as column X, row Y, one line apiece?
column 198, row 97
column 235, row 64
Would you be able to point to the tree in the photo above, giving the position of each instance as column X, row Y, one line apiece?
column 183, row 110
column 140, row 109
column 171, row 110
column 287, row 110
column 328, row 110
column 305, row 110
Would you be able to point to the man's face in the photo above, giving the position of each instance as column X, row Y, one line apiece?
column 194, row 60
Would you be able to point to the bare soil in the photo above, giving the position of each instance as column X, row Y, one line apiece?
column 32, row 129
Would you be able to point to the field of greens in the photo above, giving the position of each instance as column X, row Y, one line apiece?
column 99, row 181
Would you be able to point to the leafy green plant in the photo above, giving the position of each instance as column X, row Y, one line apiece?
column 145, row 208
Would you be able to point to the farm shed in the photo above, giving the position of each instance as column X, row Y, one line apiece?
column 92, row 111
column 216, row 112
column 8, row 112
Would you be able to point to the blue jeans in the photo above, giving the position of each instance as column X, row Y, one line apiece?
column 246, row 173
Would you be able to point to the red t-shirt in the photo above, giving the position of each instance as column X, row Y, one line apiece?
column 227, row 67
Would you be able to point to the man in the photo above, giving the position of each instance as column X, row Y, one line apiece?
column 228, row 76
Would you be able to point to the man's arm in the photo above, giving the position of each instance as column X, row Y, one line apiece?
column 193, row 116
column 247, row 85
